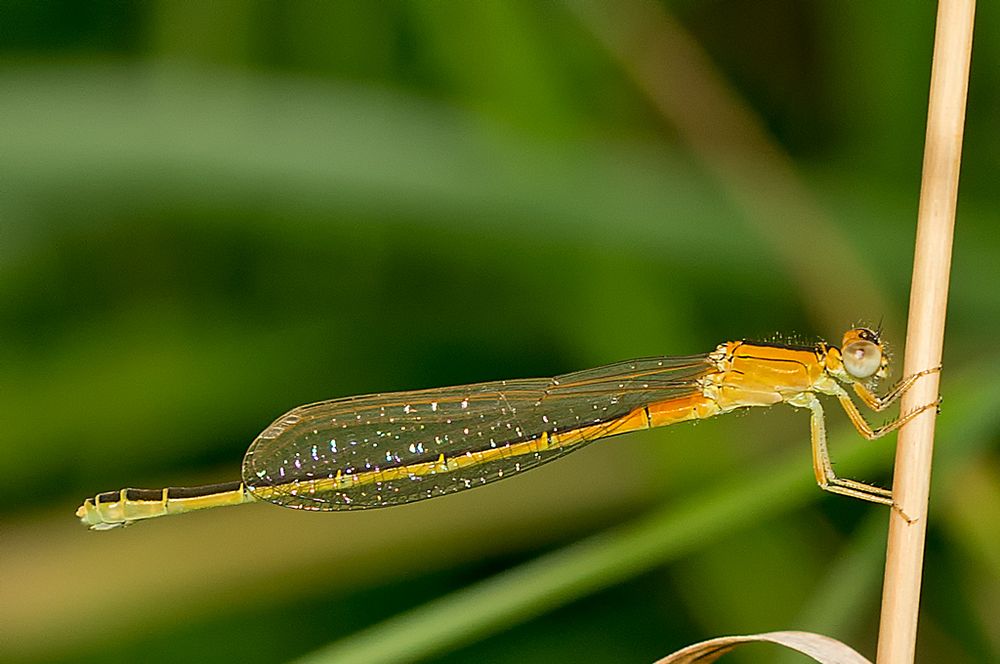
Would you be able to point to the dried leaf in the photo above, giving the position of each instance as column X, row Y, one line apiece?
column 821, row 648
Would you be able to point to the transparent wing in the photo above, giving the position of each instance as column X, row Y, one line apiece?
column 387, row 449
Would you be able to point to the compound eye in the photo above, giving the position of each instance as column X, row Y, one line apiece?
column 862, row 359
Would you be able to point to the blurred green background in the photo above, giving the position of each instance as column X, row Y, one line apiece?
column 213, row 212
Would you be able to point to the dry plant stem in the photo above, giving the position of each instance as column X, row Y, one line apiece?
column 925, row 327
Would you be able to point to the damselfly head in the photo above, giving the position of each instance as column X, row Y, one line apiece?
column 863, row 355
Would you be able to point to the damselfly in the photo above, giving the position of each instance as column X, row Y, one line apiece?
column 389, row 449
